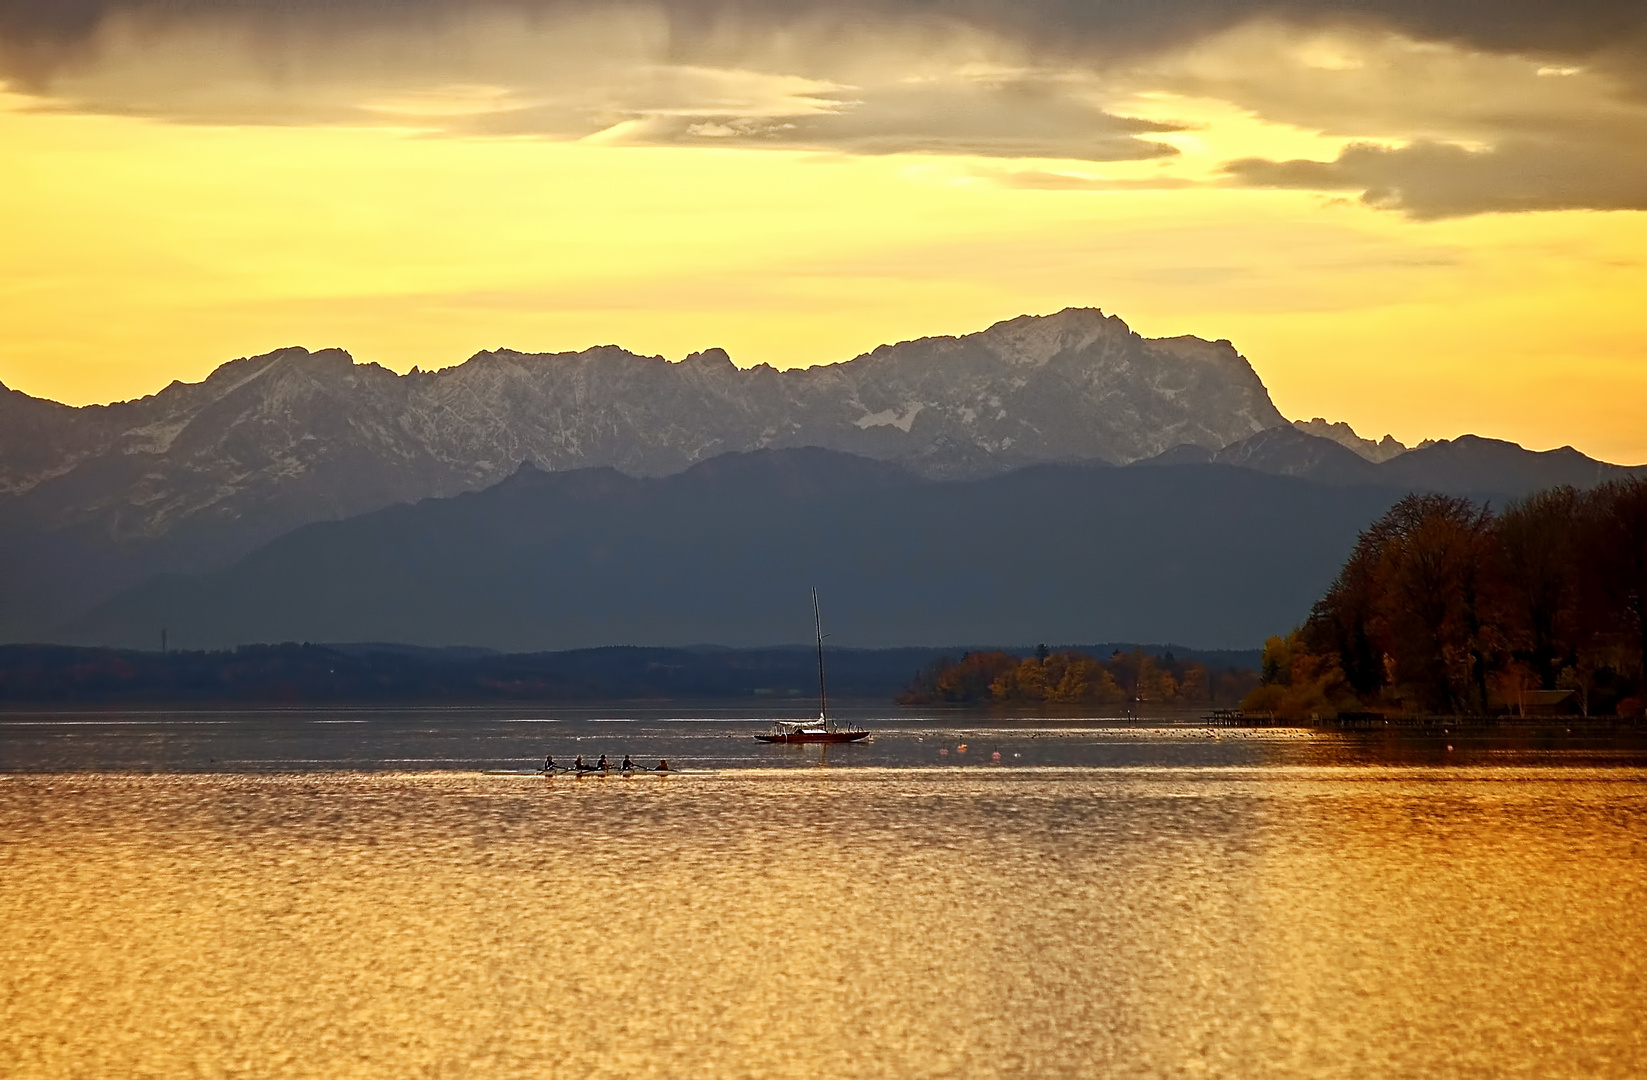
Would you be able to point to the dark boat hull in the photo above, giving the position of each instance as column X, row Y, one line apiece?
column 815, row 737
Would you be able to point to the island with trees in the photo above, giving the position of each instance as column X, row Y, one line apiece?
column 1074, row 678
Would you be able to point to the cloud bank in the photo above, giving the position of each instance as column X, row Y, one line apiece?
column 1434, row 180
column 1443, row 108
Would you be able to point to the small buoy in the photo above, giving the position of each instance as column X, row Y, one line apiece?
column 1017, row 755
column 944, row 752
column 1449, row 748
column 961, row 749
column 996, row 756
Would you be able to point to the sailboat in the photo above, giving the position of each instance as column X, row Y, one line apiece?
column 823, row 729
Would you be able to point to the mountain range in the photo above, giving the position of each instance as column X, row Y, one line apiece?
column 294, row 435
column 98, row 500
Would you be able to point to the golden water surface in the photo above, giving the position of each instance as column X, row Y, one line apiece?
column 1289, row 922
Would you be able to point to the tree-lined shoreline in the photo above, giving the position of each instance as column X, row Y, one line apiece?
column 1448, row 607
column 1071, row 677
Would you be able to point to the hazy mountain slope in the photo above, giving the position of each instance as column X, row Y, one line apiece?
column 271, row 441
column 104, row 497
column 41, row 439
column 1471, row 463
column 1485, row 469
column 727, row 551
column 1287, row 451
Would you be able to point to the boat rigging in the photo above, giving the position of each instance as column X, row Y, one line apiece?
column 823, row 729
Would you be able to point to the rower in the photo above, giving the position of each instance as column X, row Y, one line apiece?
column 603, row 766
column 628, row 763
column 578, row 765
column 663, row 765
column 548, row 763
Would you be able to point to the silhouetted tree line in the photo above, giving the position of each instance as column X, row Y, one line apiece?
column 1074, row 678
column 1447, row 607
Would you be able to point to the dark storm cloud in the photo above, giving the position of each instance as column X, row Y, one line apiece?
column 49, row 29
column 1007, row 78
column 640, row 73
column 1429, row 180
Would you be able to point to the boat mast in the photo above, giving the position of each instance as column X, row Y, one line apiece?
column 823, row 699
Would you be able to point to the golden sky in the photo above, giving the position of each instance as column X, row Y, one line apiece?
column 1421, row 227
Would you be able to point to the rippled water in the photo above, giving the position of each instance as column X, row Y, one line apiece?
column 370, row 740
column 265, row 897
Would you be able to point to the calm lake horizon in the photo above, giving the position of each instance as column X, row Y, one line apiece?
column 372, row 893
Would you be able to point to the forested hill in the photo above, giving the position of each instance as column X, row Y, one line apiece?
column 729, row 551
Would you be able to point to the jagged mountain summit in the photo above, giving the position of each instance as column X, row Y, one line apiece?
column 293, row 436
column 1344, row 435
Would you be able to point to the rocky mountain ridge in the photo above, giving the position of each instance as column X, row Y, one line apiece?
column 269, row 442
column 1344, row 435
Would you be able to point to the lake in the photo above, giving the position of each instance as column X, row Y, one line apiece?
column 352, row 894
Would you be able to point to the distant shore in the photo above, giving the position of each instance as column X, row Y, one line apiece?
column 778, row 678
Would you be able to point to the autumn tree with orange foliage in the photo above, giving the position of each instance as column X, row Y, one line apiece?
column 968, row 682
column 1063, row 678
column 1068, row 678
column 1444, row 607
column 1296, row 682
